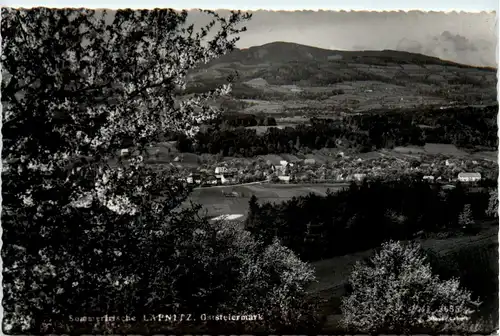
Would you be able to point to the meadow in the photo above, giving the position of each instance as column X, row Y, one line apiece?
column 215, row 203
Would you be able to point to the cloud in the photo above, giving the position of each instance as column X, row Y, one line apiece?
column 454, row 47
column 468, row 38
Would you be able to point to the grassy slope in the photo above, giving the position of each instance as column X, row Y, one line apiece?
column 369, row 80
column 333, row 273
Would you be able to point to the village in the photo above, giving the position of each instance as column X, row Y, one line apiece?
column 339, row 169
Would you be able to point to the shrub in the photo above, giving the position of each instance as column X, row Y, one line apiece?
column 397, row 292
column 493, row 203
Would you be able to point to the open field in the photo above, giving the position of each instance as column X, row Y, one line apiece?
column 486, row 155
column 215, row 203
column 444, row 149
column 263, row 129
column 409, row 150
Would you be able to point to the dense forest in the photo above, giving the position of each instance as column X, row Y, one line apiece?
column 465, row 127
column 363, row 216
column 242, row 120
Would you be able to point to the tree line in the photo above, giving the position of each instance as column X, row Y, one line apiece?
column 243, row 120
column 363, row 216
column 465, row 127
column 374, row 214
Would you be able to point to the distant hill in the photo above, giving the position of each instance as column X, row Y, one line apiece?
column 348, row 81
column 284, row 52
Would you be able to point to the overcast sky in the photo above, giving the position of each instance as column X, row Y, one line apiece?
column 469, row 38
column 437, row 5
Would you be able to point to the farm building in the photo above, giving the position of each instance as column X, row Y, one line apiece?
column 194, row 178
column 469, row 177
column 309, row 161
column 449, row 163
column 124, row 152
column 221, row 170
column 284, row 178
column 359, row 177
column 227, row 178
column 211, row 179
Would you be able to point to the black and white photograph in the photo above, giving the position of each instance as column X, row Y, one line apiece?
column 238, row 172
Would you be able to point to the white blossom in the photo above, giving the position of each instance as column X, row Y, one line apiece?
column 397, row 291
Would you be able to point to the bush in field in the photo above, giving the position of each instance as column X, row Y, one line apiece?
column 493, row 203
column 396, row 291
column 83, row 238
column 465, row 219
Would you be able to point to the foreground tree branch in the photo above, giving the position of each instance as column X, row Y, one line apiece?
column 84, row 238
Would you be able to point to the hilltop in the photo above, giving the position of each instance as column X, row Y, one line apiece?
column 280, row 52
column 289, row 79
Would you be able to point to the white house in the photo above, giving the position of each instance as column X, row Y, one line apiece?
column 124, row 152
column 359, row 177
column 221, row 170
column 309, row 161
column 469, row 177
column 284, row 178
column 428, row 178
column 283, row 163
column 227, row 178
